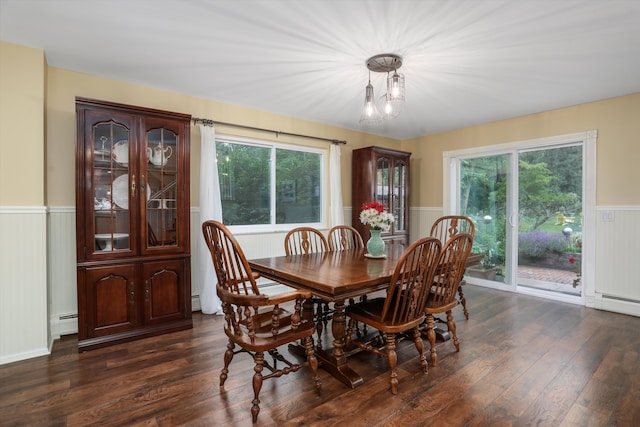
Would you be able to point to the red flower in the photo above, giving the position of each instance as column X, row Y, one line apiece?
column 572, row 260
column 374, row 205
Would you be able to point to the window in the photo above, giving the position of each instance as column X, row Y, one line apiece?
column 254, row 193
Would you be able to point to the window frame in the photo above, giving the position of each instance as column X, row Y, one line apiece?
column 273, row 146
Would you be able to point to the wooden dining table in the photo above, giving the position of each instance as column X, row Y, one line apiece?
column 333, row 277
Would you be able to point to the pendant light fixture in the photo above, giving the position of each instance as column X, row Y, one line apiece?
column 370, row 114
column 392, row 101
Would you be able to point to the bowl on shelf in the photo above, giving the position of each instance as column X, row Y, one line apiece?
column 109, row 241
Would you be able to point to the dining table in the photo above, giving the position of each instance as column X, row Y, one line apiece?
column 335, row 277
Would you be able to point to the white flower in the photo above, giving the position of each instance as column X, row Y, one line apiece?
column 374, row 215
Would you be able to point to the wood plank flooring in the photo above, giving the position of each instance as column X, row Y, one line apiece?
column 523, row 361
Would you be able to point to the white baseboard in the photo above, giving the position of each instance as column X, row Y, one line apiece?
column 195, row 303
column 604, row 302
column 68, row 324
column 16, row 357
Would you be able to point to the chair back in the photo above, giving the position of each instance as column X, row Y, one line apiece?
column 450, row 271
column 445, row 227
column 305, row 240
column 232, row 269
column 343, row 237
column 410, row 282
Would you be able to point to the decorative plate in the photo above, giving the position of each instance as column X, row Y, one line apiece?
column 120, row 191
column 383, row 256
column 121, row 152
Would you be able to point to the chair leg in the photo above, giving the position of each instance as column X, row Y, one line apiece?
column 463, row 300
column 257, row 384
column 417, row 339
column 313, row 361
column 431, row 336
column 393, row 359
column 452, row 328
column 228, row 355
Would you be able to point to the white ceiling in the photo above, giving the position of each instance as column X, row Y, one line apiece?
column 465, row 61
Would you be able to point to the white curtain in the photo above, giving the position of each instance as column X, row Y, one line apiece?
column 335, row 184
column 210, row 208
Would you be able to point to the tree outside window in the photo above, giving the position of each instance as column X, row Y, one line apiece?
column 253, row 193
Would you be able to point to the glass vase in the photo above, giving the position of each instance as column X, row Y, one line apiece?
column 375, row 245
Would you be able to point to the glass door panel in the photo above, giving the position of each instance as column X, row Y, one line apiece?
column 550, row 219
column 382, row 181
column 111, row 197
column 483, row 197
column 161, row 196
column 399, row 207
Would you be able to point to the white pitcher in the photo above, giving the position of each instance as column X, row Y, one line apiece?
column 120, row 152
column 157, row 156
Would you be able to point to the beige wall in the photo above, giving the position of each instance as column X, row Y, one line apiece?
column 617, row 121
column 22, row 80
column 65, row 85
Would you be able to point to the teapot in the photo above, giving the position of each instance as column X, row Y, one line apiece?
column 158, row 156
column 120, row 152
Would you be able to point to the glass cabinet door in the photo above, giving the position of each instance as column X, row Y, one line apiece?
column 162, row 198
column 111, row 187
column 399, row 197
column 382, row 182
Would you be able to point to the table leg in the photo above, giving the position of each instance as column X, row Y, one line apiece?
column 336, row 361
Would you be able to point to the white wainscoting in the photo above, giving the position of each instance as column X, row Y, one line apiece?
column 617, row 274
column 63, row 301
column 23, row 287
column 421, row 220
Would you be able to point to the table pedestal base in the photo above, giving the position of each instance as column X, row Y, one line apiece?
column 338, row 368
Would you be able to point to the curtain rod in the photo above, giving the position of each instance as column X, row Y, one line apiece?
column 211, row 122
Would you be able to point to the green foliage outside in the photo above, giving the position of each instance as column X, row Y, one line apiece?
column 550, row 182
column 245, row 184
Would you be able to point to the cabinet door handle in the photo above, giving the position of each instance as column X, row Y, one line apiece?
column 133, row 186
column 146, row 290
column 132, row 294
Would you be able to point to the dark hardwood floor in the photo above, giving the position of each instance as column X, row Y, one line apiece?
column 523, row 361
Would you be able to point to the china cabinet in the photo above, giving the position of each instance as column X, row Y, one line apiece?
column 132, row 222
column 382, row 175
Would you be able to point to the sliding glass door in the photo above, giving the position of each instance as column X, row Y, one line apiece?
column 527, row 204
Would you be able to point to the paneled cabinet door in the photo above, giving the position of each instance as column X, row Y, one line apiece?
column 112, row 293
column 164, row 290
column 162, row 171
column 108, row 182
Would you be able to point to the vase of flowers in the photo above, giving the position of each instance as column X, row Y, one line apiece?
column 375, row 215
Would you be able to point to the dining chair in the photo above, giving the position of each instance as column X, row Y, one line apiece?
column 442, row 296
column 343, row 237
column 255, row 322
column 305, row 240
column 402, row 309
column 446, row 227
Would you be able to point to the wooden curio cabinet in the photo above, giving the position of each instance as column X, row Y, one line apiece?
column 132, row 222
column 382, row 175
